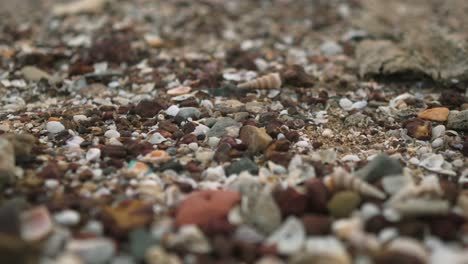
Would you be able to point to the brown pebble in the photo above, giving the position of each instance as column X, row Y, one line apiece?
column 317, row 196
column 419, row 129
column 290, row 201
column 439, row 114
column 316, row 225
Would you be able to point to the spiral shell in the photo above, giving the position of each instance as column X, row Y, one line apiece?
column 342, row 179
column 270, row 81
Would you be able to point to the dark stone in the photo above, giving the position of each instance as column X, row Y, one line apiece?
column 243, row 164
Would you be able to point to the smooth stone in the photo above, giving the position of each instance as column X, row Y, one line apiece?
column 186, row 113
column 78, row 118
column 34, row 74
column 230, row 106
column 54, row 127
column 7, row 162
column 394, row 184
column 93, row 250
column 22, row 143
column 263, row 213
column 255, row 138
column 140, row 241
column 93, row 154
column 219, row 128
column 343, row 203
column 56, row 241
column 201, row 130
column 330, row 48
column 243, row 164
column 438, row 131
column 346, row 104
column 439, row 114
column 437, row 143
column 380, row 166
column 173, row 110
column 289, row 238
column 156, row 138
column 458, row 120
column 112, row 134
column 67, row 217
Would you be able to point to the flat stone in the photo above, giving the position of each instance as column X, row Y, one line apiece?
column 219, row 128
column 255, row 138
column 290, row 237
column 34, row 74
column 230, row 106
column 343, row 203
column 439, row 114
column 188, row 112
column 380, row 166
column 54, row 127
column 263, row 213
column 458, row 120
column 243, row 164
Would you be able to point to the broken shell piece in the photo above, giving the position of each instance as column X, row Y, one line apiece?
column 408, row 246
column 36, row 224
column 419, row 207
column 180, row 90
column 156, row 156
column 290, row 237
column 436, row 163
column 270, row 81
column 340, row 178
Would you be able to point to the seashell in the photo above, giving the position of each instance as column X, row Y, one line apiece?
column 289, row 238
column 342, row 179
column 436, row 163
column 418, row 207
column 270, row 81
column 179, row 90
column 409, row 246
column 36, row 224
column 351, row 230
column 428, row 186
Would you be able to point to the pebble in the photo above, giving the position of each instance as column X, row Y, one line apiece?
column 67, row 217
column 201, row 130
column 419, row 129
column 394, row 184
column 230, row 106
column 214, row 173
column 93, row 154
column 34, row 74
column 156, row 138
column 158, row 255
column 219, row 128
column 7, row 162
column 327, row 133
column 343, row 203
column 439, row 114
column 51, row 184
column 438, row 131
column 243, row 164
column 330, row 48
column 346, row 104
column 380, row 166
column 458, row 120
column 79, row 118
column 289, row 237
column 264, row 213
column 112, row 134
column 93, row 250
column 437, row 143
column 255, row 138
column 54, row 127
column 173, row 110
column 35, row 224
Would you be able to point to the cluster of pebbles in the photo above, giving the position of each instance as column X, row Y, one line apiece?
column 119, row 144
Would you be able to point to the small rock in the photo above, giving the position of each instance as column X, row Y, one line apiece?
column 380, row 166
column 394, row 184
column 22, row 143
column 290, row 201
column 317, row 225
column 219, row 128
column 343, row 203
column 317, row 196
column 419, row 129
column 437, row 143
column 458, row 120
column 112, row 134
column 289, row 238
column 94, row 250
column 54, row 127
column 67, row 217
column 208, row 209
column 36, row 224
column 346, row 104
column 264, row 212
column 243, row 164
column 93, row 154
column 7, row 162
column 140, row 241
column 255, row 138
column 439, row 114
column 330, row 48
column 78, row 7
column 230, row 106
column 188, row 112
column 147, row 108
column 173, row 110
column 157, row 255
column 34, row 74
column 438, row 131
column 127, row 215
column 156, row 138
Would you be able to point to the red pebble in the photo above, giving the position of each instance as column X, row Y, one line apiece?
column 290, row 201
column 317, row 196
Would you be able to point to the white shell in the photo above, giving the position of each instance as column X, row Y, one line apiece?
column 342, row 179
column 289, row 238
column 270, row 81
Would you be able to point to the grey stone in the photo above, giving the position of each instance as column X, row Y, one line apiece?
column 382, row 165
column 458, row 120
column 358, row 120
column 140, row 241
column 35, row 74
column 188, row 112
column 243, row 164
column 262, row 211
column 219, row 128
column 7, row 162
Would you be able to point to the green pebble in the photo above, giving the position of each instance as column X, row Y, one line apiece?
column 343, row 203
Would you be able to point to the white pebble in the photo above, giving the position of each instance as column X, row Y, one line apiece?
column 78, row 118
column 438, row 131
column 302, row 144
column 438, row 142
column 387, row 234
column 112, row 134
column 67, row 217
column 51, row 183
column 213, row 141
column 201, row 130
column 346, row 104
column 173, row 110
column 359, row 105
column 193, row 146
column 327, row 133
column 369, row 210
column 156, row 138
column 93, row 154
column 350, row 157
column 54, row 127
